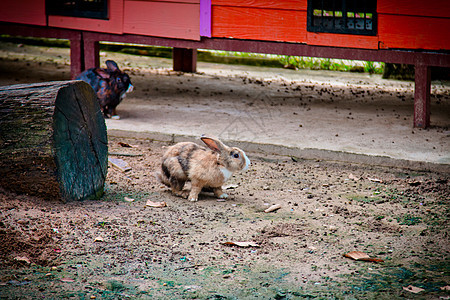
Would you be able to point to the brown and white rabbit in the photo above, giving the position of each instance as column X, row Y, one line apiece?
column 110, row 85
column 203, row 167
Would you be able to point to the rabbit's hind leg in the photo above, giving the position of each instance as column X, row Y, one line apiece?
column 177, row 187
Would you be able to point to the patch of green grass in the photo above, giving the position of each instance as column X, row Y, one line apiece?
column 390, row 280
column 115, row 286
column 409, row 220
column 393, row 195
column 409, row 174
column 311, row 63
column 365, row 199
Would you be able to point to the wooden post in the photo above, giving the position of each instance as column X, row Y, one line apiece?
column 53, row 140
column 91, row 54
column 76, row 56
column 184, row 60
column 422, row 96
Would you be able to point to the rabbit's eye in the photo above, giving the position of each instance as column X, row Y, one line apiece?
column 236, row 155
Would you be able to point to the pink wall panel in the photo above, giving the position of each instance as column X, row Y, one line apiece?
column 164, row 19
column 113, row 25
column 23, row 11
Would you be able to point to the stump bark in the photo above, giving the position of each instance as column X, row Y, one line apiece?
column 53, row 140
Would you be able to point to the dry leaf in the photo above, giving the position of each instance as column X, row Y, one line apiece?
column 22, row 259
column 230, row 187
column 122, row 144
column 375, row 180
column 273, row 208
column 413, row 289
column 128, row 199
column 67, row 280
column 445, row 288
column 156, row 204
column 358, row 255
column 353, row 177
column 242, row 244
column 98, row 239
column 119, row 164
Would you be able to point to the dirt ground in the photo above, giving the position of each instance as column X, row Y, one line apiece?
column 114, row 248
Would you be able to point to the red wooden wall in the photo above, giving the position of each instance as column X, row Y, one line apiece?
column 164, row 18
column 402, row 24
column 113, row 25
column 259, row 20
column 414, row 24
column 407, row 24
column 30, row 12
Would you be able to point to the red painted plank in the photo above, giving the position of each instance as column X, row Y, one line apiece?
column 113, row 25
column 30, row 12
column 406, row 32
column 435, row 8
column 342, row 40
column 259, row 24
column 283, row 4
column 165, row 19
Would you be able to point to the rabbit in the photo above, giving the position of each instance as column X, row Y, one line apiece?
column 203, row 167
column 109, row 84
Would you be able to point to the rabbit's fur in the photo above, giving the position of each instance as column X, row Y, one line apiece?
column 109, row 84
column 203, row 167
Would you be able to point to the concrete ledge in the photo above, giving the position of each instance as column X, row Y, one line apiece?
column 307, row 153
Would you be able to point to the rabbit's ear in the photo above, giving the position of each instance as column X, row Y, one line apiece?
column 213, row 144
column 102, row 73
column 112, row 66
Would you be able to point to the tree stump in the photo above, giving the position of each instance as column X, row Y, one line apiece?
column 53, row 140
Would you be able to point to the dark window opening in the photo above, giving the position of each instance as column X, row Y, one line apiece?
column 343, row 16
column 95, row 9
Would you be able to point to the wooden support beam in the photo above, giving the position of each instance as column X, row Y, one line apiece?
column 76, row 57
column 422, row 96
column 91, row 53
column 185, row 60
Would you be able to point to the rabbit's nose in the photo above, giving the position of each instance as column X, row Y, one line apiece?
column 130, row 88
column 247, row 163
